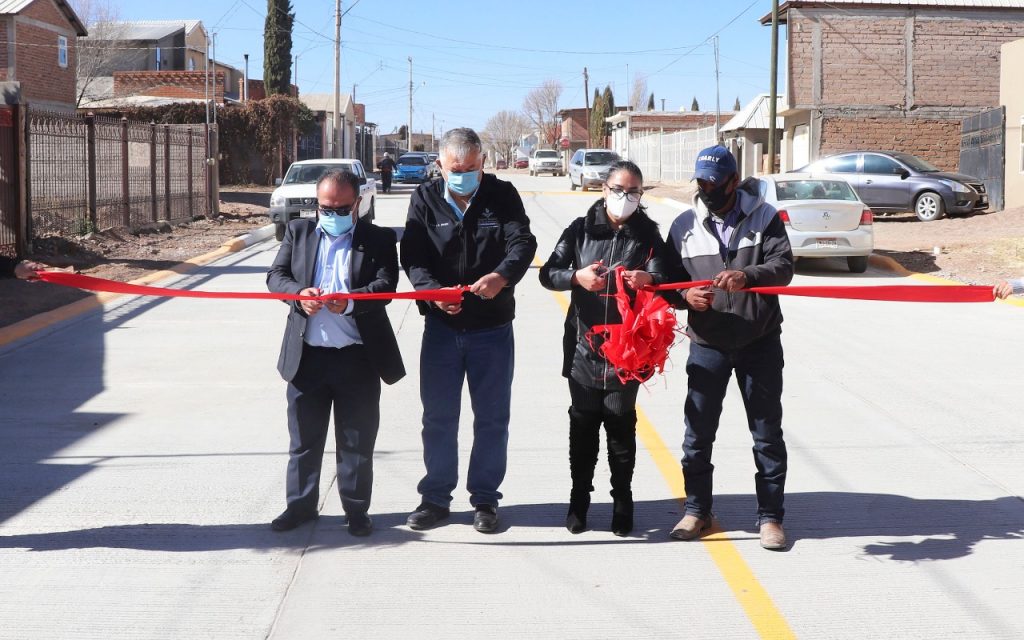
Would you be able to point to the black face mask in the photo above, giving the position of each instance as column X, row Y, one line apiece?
column 716, row 199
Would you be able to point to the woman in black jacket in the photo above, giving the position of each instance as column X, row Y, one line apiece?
column 615, row 232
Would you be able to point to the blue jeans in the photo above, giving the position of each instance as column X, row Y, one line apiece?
column 758, row 368
column 485, row 359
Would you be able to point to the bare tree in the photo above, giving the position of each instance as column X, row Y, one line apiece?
column 638, row 93
column 95, row 53
column 541, row 108
column 503, row 132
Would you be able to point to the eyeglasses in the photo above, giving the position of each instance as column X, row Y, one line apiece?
column 337, row 211
column 632, row 196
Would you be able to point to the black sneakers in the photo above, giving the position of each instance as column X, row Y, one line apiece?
column 426, row 516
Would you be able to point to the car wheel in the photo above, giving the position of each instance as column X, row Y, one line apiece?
column 531, row 172
column 371, row 213
column 572, row 185
column 928, row 206
column 279, row 231
column 857, row 264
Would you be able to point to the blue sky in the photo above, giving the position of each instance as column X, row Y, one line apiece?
column 473, row 59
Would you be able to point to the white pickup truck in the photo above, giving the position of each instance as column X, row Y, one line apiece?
column 546, row 161
column 295, row 195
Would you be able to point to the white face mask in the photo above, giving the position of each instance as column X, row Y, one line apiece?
column 619, row 208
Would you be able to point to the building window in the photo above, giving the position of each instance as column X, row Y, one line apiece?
column 62, row 52
column 191, row 64
column 159, row 58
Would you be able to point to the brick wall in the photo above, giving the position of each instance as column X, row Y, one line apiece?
column 956, row 60
column 171, row 84
column 863, row 60
column 801, row 57
column 42, row 79
column 937, row 141
column 3, row 47
column 676, row 121
column 258, row 91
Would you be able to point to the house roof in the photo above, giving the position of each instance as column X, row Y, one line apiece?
column 145, row 29
column 755, row 114
column 325, row 102
column 937, row 4
column 8, row 7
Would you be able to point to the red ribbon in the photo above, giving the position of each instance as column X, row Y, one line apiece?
column 450, row 295
column 884, row 293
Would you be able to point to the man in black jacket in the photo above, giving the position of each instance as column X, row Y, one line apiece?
column 468, row 229
column 335, row 354
column 734, row 238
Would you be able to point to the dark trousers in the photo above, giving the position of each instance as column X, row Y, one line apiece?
column 385, row 177
column 758, row 370
column 590, row 408
column 342, row 380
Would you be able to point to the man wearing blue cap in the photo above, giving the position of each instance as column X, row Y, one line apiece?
column 732, row 237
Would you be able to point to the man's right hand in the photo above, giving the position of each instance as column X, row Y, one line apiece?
column 449, row 308
column 590, row 278
column 310, row 306
column 699, row 298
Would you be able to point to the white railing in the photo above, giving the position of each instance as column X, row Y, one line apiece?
column 669, row 157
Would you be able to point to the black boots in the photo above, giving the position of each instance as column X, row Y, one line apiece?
column 584, row 443
column 621, row 432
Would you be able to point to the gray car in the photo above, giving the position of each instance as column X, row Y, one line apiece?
column 896, row 182
column 589, row 167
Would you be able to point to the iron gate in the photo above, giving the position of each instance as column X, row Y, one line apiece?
column 983, row 152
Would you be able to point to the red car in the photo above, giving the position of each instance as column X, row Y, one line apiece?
column 501, row 164
column 522, row 163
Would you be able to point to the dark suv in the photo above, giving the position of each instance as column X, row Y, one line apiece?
column 895, row 182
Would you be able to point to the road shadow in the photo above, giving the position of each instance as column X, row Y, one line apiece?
column 254, row 197
column 836, row 267
column 951, row 528
column 916, row 261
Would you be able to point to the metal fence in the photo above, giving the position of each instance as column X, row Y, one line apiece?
column 90, row 173
column 10, row 222
column 669, row 157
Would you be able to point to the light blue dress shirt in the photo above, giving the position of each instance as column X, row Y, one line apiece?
column 331, row 275
column 459, row 213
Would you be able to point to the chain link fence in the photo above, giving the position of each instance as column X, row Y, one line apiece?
column 669, row 157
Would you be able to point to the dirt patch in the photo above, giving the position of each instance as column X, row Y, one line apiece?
column 982, row 248
column 119, row 255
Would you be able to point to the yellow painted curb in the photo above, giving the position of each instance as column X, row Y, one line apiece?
column 887, row 263
column 38, row 322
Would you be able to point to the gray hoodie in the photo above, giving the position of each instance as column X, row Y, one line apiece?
column 759, row 247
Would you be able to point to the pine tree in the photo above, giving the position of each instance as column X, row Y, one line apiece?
column 277, row 47
column 609, row 108
column 736, row 105
column 597, row 120
column 694, row 106
column 650, row 102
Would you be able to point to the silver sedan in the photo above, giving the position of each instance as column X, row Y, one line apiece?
column 823, row 217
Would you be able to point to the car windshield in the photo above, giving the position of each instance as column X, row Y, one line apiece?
column 412, row 160
column 915, row 163
column 310, row 173
column 546, row 154
column 601, row 157
column 814, row 190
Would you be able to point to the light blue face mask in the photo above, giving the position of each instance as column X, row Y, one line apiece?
column 463, row 184
column 336, row 223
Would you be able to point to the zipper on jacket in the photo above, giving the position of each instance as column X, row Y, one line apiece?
column 608, row 291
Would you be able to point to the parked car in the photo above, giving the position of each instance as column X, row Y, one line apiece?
column 433, row 169
column 589, row 167
column 412, row 167
column 521, row 163
column 896, row 182
column 295, row 195
column 823, row 217
column 545, row 161
column 500, row 165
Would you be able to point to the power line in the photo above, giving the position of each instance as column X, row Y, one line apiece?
column 705, row 41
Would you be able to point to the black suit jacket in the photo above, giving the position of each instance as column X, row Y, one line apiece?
column 374, row 269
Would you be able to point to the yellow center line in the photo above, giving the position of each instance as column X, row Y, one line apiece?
column 758, row 605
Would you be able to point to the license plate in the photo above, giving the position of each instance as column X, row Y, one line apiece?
column 827, row 243
column 307, row 213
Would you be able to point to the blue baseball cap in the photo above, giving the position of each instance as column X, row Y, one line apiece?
column 714, row 164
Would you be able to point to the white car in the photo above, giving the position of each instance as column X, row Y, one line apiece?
column 546, row 161
column 296, row 194
column 823, row 217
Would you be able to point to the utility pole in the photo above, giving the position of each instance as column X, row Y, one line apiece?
column 245, row 84
column 356, row 129
column 663, row 104
column 408, row 131
column 432, row 132
column 718, row 107
column 629, row 107
column 586, row 97
column 215, row 76
column 773, row 90
column 335, row 151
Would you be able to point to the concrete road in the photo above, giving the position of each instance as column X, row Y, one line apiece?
column 142, row 452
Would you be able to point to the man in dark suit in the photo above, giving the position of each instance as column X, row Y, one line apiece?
column 335, row 354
